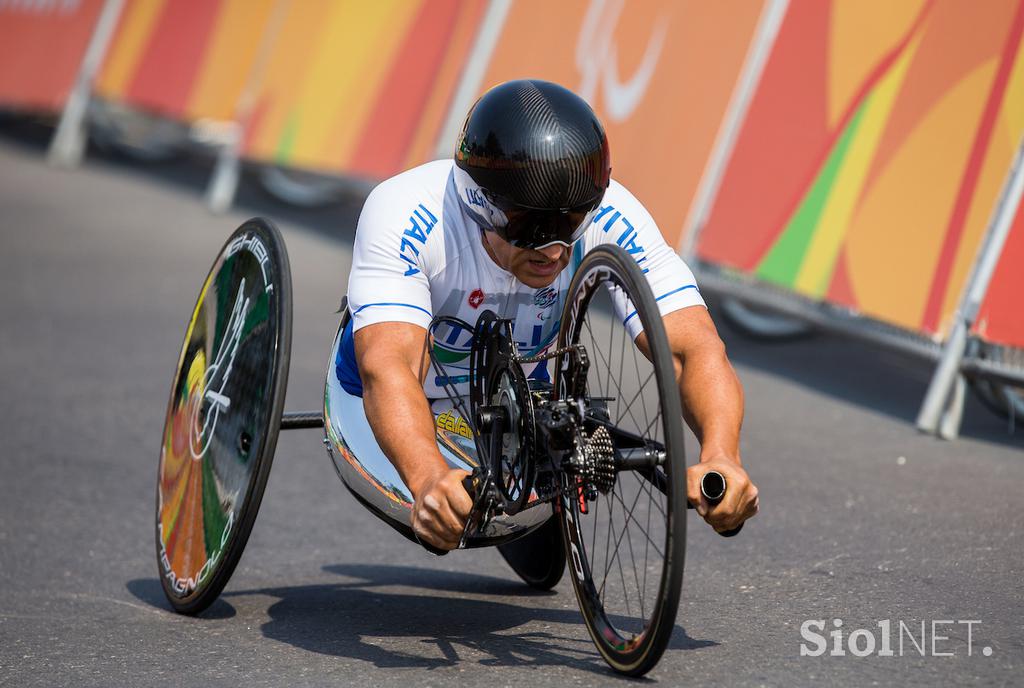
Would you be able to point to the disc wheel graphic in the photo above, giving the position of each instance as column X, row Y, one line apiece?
column 223, row 416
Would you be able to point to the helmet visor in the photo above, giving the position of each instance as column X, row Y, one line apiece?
column 535, row 228
column 523, row 226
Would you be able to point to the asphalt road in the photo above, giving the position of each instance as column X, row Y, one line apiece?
column 862, row 520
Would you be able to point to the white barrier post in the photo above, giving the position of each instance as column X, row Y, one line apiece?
column 68, row 144
column 227, row 137
column 735, row 114
column 938, row 406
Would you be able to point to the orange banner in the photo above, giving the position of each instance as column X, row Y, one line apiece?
column 184, row 58
column 361, row 88
column 659, row 74
column 41, row 48
column 341, row 85
column 873, row 153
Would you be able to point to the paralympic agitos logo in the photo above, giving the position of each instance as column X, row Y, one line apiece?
column 211, row 401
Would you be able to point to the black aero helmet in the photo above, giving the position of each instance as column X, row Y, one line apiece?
column 532, row 163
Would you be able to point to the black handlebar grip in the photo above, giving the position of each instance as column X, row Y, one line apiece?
column 713, row 486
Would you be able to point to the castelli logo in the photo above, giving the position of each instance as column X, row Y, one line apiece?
column 476, row 298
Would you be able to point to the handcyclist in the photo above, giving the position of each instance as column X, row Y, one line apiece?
column 501, row 227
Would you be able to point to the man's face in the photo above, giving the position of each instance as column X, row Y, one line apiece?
column 535, row 268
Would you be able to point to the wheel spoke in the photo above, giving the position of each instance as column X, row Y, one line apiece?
column 639, row 394
column 628, row 510
column 607, row 364
column 622, row 605
column 636, row 367
column 632, row 558
column 646, row 535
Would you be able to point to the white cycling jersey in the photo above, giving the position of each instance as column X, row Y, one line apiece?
column 418, row 255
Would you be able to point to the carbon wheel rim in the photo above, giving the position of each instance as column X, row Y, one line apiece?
column 626, row 548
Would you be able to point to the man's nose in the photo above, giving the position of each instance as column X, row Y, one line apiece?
column 552, row 252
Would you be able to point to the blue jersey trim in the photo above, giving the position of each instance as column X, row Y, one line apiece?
column 345, row 364
column 669, row 293
column 407, row 305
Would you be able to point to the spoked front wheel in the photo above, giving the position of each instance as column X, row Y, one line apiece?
column 625, row 532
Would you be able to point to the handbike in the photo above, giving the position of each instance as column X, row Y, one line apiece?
column 597, row 446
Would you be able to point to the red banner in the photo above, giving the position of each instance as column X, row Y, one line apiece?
column 41, row 48
column 1000, row 320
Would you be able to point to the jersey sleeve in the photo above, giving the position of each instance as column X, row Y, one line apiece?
column 388, row 280
column 625, row 222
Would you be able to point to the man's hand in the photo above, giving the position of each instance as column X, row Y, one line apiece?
column 441, row 508
column 739, row 503
column 392, row 359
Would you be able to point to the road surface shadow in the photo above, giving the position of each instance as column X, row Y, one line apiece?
column 378, row 575
column 149, row 591
column 359, row 620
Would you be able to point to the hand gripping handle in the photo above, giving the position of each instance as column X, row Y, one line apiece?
column 713, row 486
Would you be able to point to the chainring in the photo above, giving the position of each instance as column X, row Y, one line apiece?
column 499, row 387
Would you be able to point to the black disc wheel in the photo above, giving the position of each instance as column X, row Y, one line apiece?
column 625, row 538
column 223, row 416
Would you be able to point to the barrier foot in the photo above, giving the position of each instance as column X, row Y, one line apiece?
column 952, row 417
column 942, row 387
column 226, row 137
column 68, row 145
column 220, row 194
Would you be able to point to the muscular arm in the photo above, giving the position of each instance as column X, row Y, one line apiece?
column 713, row 407
column 392, row 360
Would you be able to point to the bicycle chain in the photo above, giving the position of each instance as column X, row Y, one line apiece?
column 541, row 357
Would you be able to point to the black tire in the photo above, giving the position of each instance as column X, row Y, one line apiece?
column 223, row 416
column 631, row 643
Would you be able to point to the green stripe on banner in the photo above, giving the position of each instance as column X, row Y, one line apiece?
column 287, row 143
column 783, row 260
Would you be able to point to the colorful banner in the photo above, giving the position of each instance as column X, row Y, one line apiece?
column 659, row 74
column 873, row 153
column 184, row 58
column 1001, row 318
column 359, row 87
column 42, row 45
column 341, row 85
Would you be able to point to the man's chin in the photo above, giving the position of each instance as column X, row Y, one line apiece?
column 535, row 281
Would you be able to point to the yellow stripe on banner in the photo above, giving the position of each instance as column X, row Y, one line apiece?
column 819, row 262
column 137, row 22
column 1013, row 103
column 285, row 75
column 228, row 61
column 345, row 76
